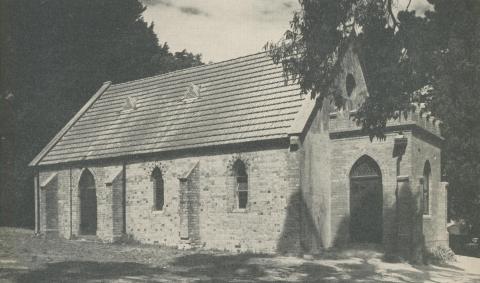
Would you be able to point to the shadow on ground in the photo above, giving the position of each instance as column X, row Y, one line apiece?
column 205, row 267
column 195, row 267
column 222, row 267
column 79, row 271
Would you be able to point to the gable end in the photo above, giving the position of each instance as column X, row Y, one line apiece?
column 72, row 121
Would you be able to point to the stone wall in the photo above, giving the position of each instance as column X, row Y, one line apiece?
column 49, row 219
column 264, row 226
column 345, row 152
column 270, row 223
column 54, row 186
column 64, row 189
column 317, row 157
column 190, row 208
column 298, row 198
column 434, row 224
column 316, row 184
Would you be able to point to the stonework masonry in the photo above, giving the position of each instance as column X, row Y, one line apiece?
column 434, row 222
column 298, row 198
column 270, row 221
column 298, row 187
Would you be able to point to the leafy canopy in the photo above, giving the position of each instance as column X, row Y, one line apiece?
column 432, row 59
column 56, row 53
column 309, row 53
column 453, row 59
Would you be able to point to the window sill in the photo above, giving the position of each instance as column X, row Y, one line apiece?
column 155, row 212
column 240, row 210
column 427, row 217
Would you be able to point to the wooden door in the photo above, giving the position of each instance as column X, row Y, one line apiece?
column 366, row 221
column 366, row 202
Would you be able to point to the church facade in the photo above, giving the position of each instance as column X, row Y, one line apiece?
column 231, row 156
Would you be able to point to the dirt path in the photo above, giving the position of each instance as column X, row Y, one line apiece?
column 24, row 258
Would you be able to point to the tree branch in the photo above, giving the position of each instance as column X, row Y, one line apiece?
column 409, row 2
column 390, row 12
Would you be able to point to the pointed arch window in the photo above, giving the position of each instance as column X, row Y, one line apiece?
column 88, row 203
column 427, row 172
column 350, row 84
column 241, row 184
column 158, row 189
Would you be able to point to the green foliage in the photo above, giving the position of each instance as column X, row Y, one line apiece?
column 401, row 54
column 444, row 52
column 56, row 53
column 456, row 99
column 310, row 50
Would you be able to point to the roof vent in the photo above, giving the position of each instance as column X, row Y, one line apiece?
column 130, row 103
column 192, row 93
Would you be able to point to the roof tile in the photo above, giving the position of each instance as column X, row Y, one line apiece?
column 242, row 100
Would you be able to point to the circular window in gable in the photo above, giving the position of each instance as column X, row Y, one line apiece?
column 350, row 84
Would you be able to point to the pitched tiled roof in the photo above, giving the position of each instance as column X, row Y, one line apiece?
column 241, row 100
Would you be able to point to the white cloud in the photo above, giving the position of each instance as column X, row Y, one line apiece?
column 222, row 29
column 225, row 29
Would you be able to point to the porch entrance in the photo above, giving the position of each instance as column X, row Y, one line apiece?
column 366, row 202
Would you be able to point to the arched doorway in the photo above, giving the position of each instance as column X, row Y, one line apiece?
column 51, row 210
column 88, row 204
column 366, row 201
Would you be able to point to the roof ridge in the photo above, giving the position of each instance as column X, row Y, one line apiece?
column 189, row 69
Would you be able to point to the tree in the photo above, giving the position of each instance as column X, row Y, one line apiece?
column 455, row 97
column 403, row 53
column 444, row 54
column 309, row 54
column 56, row 53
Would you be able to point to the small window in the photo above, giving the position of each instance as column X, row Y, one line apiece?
column 426, row 188
column 192, row 93
column 350, row 84
column 158, row 189
column 130, row 103
column 241, row 182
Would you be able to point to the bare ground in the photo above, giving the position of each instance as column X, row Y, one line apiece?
column 25, row 258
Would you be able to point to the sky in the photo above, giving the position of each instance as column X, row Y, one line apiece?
column 226, row 29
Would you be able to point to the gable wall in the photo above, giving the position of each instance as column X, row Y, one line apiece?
column 345, row 152
column 318, row 158
column 350, row 64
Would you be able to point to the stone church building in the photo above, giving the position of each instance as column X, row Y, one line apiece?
column 231, row 156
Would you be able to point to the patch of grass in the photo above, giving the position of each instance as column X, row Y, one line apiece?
column 127, row 240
